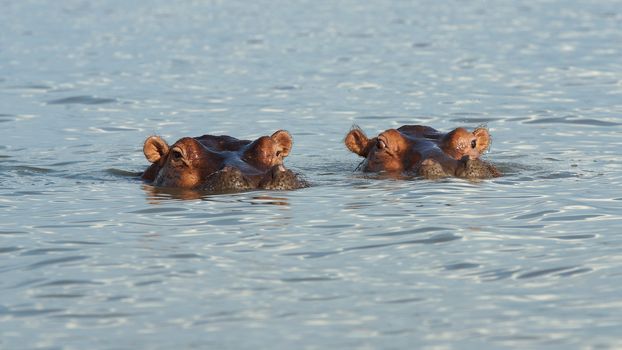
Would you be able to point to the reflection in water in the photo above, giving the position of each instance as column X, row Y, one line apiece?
column 155, row 195
column 282, row 201
column 159, row 195
column 88, row 100
column 529, row 260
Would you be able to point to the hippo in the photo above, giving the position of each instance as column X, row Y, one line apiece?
column 424, row 151
column 219, row 164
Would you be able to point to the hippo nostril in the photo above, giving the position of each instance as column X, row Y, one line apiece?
column 473, row 144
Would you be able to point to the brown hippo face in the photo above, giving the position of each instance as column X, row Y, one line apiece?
column 221, row 163
column 268, row 151
column 460, row 142
column 423, row 151
column 181, row 165
column 390, row 151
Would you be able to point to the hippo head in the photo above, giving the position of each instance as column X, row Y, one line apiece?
column 423, row 151
column 181, row 165
column 221, row 163
column 268, row 151
column 460, row 142
column 390, row 151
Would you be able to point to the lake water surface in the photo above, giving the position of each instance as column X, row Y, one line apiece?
column 91, row 257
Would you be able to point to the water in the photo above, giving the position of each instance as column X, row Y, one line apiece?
column 92, row 257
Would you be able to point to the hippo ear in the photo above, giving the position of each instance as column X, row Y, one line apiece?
column 483, row 139
column 283, row 142
column 357, row 142
column 155, row 149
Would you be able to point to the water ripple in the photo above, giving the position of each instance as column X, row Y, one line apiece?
column 572, row 217
column 461, row 266
column 307, row 279
column 574, row 237
column 56, row 261
column 26, row 169
column 4, row 250
column 77, row 242
column 60, row 296
column 95, row 315
column 571, row 119
column 68, row 282
column 409, row 232
column 30, row 312
column 528, row 260
column 158, row 210
column 82, row 99
column 185, row 256
column 442, row 238
column 44, row 251
column 538, row 214
column 404, row 301
column 13, row 232
column 312, row 255
column 544, row 272
column 6, row 118
column 496, row 274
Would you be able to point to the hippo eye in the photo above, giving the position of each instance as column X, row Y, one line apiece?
column 381, row 145
column 473, row 144
column 176, row 154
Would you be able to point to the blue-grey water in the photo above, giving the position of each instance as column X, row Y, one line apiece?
column 91, row 257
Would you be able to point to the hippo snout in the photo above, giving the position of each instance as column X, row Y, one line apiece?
column 280, row 178
column 476, row 169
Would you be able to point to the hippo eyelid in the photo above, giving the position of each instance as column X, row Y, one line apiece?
column 381, row 144
column 177, row 153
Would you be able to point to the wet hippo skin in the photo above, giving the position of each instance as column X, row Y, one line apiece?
column 221, row 163
column 424, row 151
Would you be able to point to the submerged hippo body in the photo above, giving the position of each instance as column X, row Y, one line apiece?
column 424, row 151
column 221, row 163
